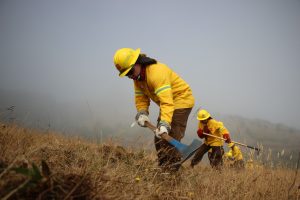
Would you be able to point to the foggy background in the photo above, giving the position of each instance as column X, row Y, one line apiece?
column 241, row 59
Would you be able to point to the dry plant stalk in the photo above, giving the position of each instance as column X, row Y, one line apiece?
column 85, row 170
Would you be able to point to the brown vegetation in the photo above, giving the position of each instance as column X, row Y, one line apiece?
column 46, row 165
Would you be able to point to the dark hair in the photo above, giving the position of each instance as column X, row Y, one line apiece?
column 144, row 60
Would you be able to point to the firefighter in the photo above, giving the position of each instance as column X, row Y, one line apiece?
column 210, row 126
column 157, row 82
column 235, row 155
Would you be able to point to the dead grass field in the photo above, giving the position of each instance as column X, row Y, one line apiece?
column 47, row 165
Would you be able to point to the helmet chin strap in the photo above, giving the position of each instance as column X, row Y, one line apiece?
column 141, row 76
column 137, row 78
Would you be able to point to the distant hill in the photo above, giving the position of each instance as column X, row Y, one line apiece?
column 40, row 111
column 275, row 136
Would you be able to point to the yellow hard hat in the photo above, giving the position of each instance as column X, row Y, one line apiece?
column 124, row 59
column 203, row 115
column 228, row 154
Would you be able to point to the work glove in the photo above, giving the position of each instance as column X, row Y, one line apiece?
column 200, row 133
column 227, row 138
column 163, row 127
column 142, row 117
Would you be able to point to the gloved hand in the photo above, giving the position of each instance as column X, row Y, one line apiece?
column 163, row 127
column 142, row 117
column 227, row 138
column 200, row 133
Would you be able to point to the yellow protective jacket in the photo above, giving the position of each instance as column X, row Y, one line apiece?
column 165, row 88
column 213, row 127
column 235, row 153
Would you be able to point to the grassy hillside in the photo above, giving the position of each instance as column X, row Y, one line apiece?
column 47, row 165
column 43, row 112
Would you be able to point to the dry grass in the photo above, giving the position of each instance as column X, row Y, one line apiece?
column 72, row 168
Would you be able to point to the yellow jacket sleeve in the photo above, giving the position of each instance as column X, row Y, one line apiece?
column 162, row 89
column 222, row 128
column 142, row 101
column 215, row 128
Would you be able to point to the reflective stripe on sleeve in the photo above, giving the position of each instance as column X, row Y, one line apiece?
column 162, row 89
column 221, row 129
column 138, row 93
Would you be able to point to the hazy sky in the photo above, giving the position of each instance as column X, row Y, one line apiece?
column 239, row 57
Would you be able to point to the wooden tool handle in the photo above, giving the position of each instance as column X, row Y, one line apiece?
column 153, row 128
column 255, row 148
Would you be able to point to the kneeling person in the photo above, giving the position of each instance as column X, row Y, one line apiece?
column 235, row 155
